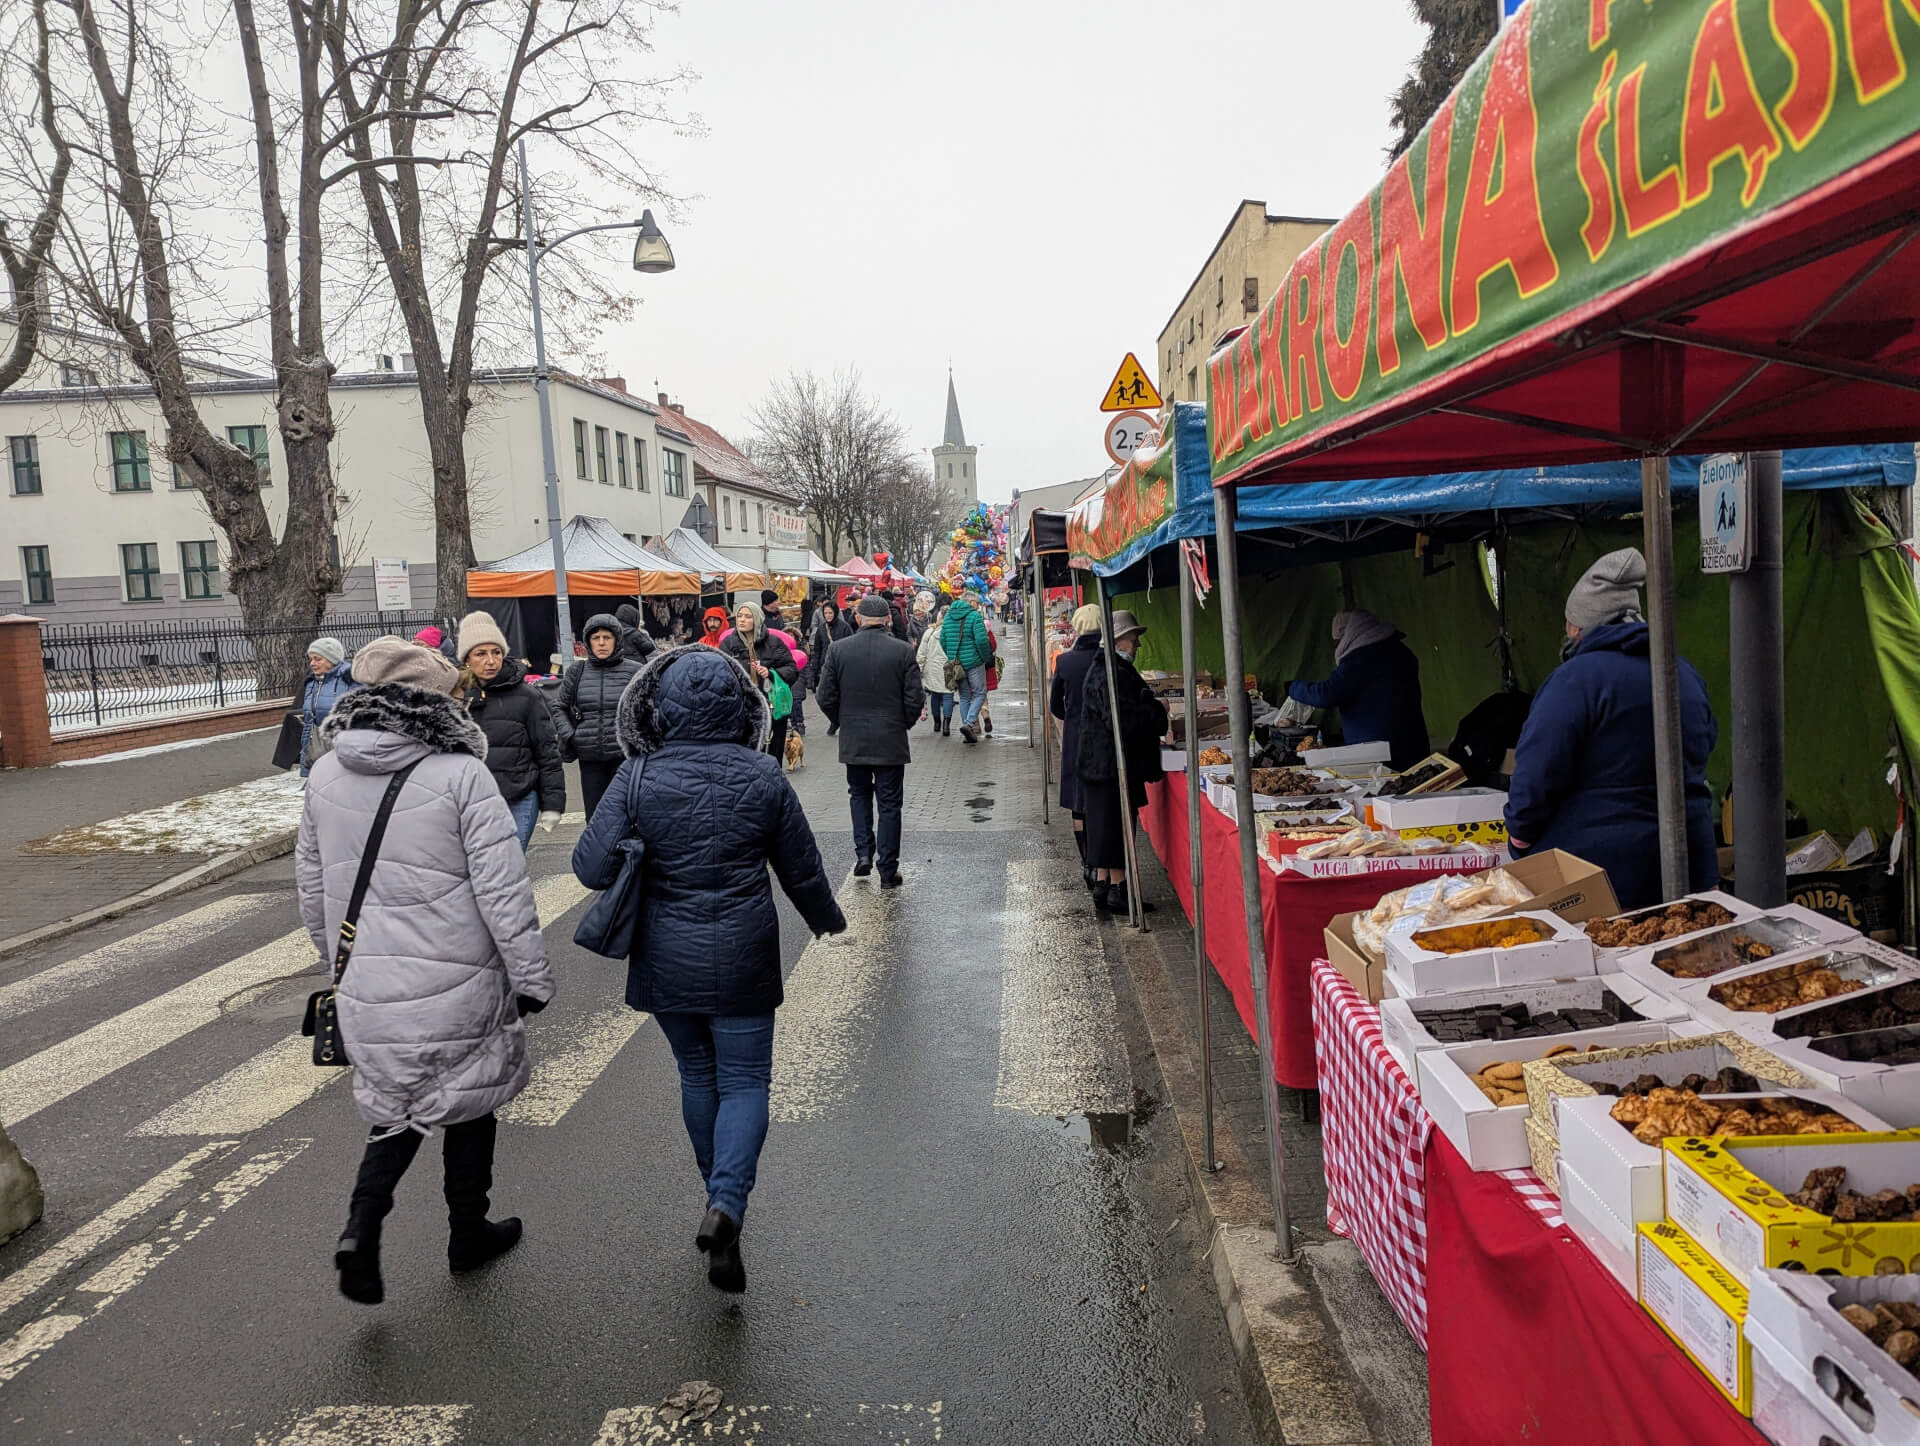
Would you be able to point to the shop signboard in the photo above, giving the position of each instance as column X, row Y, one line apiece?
column 786, row 529
column 1726, row 519
column 392, row 589
column 1590, row 149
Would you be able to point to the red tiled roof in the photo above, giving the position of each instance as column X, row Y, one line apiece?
column 714, row 455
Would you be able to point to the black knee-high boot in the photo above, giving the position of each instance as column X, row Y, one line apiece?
column 472, row 1239
column 357, row 1257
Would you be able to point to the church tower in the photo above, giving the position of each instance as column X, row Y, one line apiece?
column 953, row 460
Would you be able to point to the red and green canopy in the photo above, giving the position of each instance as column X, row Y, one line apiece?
column 1634, row 228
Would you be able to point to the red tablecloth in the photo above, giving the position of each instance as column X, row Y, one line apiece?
column 1294, row 912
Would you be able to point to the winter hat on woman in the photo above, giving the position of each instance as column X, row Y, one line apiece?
column 430, row 636
column 399, row 660
column 601, row 623
column 332, row 649
column 758, row 613
column 1086, row 619
column 1609, row 591
column 477, row 628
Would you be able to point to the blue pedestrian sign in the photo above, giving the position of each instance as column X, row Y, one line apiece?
column 1726, row 531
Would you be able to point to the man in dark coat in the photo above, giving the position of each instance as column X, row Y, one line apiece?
column 871, row 690
column 1064, row 702
column 634, row 641
column 1375, row 684
column 1583, row 776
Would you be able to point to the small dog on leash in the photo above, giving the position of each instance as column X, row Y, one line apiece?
column 796, row 752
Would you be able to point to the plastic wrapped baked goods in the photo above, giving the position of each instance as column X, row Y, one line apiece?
column 1486, row 934
column 1447, row 900
column 1662, row 1112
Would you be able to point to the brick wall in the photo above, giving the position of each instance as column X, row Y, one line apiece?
column 185, row 728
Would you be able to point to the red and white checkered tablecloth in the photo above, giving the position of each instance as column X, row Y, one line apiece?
column 1373, row 1145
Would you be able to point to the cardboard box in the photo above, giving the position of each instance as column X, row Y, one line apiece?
column 1563, row 884
column 1610, row 1239
column 1544, row 1152
column 1858, row 961
column 1699, row 1305
column 1407, row 1036
column 1563, row 953
column 1467, row 815
column 1830, row 1381
column 1346, row 956
column 1785, row 930
column 1347, row 755
column 1731, row 1197
column 1490, row 1136
column 1551, row 1082
column 1738, row 908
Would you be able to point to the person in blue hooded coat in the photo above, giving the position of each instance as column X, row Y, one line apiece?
column 714, row 811
column 1375, row 683
column 1583, row 776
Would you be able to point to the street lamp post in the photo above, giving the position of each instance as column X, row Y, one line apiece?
column 651, row 255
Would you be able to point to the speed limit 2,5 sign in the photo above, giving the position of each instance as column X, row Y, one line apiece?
column 1125, row 433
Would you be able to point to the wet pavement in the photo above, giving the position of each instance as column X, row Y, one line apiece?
column 971, row 1223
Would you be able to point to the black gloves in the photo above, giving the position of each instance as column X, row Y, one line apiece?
column 528, row 1005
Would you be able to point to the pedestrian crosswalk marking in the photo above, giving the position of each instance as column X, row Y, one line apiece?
column 562, row 1073
column 124, row 956
column 827, row 1022
column 378, row 1426
column 248, row 1096
column 1060, row 1046
column 882, row 1425
column 113, row 1280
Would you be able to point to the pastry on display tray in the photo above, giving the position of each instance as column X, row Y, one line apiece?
column 1732, row 947
column 1652, row 926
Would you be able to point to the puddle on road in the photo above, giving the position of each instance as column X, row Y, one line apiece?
column 1111, row 1130
column 980, row 803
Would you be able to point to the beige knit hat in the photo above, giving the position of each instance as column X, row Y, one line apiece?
column 398, row 660
column 477, row 628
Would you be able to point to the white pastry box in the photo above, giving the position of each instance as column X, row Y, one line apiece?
column 1737, row 909
column 1490, row 1136
column 1347, row 755
column 1855, row 1065
column 1608, row 1239
column 1673, row 965
column 1557, row 951
column 1858, row 961
column 1817, row 1377
column 1407, row 1036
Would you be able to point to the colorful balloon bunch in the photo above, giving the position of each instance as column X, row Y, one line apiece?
column 976, row 563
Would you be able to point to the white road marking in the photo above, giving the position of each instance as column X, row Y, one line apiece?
column 378, row 1426
column 123, row 956
column 113, row 1280
column 254, row 1093
column 881, row 1425
column 555, row 895
column 564, row 1074
column 827, row 1022
column 1060, row 1046
column 78, row 1243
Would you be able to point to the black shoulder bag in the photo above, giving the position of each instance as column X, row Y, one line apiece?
column 322, row 1023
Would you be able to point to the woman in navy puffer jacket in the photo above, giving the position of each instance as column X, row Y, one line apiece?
column 714, row 812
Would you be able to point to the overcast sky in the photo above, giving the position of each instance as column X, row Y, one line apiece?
column 1022, row 191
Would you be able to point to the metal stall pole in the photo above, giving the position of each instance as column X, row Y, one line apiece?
column 1031, row 670
column 1656, row 502
column 1191, row 715
column 1041, row 725
column 1240, row 729
column 1757, row 651
column 1136, row 916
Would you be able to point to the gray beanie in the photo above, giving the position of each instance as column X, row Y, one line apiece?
column 397, row 660
column 759, row 614
column 1609, row 591
column 873, row 608
column 332, row 649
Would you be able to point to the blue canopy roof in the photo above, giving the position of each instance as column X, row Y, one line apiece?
column 1336, row 510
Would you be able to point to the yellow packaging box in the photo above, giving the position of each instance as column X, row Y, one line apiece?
column 1484, row 831
column 1700, row 1305
column 1730, row 1195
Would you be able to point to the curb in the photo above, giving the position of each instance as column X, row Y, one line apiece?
column 211, row 872
column 1293, row 1370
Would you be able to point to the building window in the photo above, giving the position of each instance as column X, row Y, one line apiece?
column 34, row 563
column 199, row 569
column 640, row 463
column 1169, row 368
column 949, row 471
column 726, row 511
column 140, row 568
column 673, row 470
column 1193, row 383
column 252, row 441
column 760, row 516
column 600, row 457
column 620, row 459
column 963, row 469
column 73, row 376
column 131, row 471
column 580, row 447
column 24, row 452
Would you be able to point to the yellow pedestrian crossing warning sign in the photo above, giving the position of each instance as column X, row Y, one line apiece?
column 1130, row 390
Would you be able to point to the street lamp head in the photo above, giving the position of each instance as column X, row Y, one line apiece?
column 651, row 254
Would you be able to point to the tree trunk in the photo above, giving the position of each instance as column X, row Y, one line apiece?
column 452, row 505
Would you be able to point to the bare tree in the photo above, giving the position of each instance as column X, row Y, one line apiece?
column 26, row 260
column 1457, row 31
column 914, row 514
column 835, row 448
column 453, row 87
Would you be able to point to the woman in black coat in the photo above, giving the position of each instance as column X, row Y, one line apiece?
column 523, row 746
column 762, row 655
column 1063, row 701
column 1143, row 719
column 714, row 813
column 589, row 703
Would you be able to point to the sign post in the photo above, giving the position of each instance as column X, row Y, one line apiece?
column 1726, row 514
column 392, row 590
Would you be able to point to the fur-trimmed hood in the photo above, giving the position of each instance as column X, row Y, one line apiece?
column 386, row 726
column 692, row 695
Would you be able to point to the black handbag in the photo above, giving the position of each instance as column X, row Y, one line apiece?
column 286, row 748
column 322, row 1023
column 611, row 921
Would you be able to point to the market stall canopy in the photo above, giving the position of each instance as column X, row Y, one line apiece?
column 690, row 550
column 1632, row 229
column 862, row 570
column 1164, row 487
column 820, row 570
column 600, row 562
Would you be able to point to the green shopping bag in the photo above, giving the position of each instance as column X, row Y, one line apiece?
column 779, row 695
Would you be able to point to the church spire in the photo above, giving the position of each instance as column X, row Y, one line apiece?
column 956, row 434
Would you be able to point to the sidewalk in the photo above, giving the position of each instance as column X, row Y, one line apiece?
column 41, row 888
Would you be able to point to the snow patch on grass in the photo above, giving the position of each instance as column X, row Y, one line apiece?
column 210, row 823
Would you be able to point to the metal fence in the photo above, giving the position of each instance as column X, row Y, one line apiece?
column 106, row 673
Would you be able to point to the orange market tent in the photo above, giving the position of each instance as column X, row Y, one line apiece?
column 686, row 548
column 600, row 563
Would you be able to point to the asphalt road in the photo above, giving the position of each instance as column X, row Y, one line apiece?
column 970, row 1226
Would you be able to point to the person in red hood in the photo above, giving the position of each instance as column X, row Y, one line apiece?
column 713, row 622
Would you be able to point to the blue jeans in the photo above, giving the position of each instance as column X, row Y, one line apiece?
column 939, row 705
column 526, row 812
column 726, row 1068
column 888, row 781
column 972, row 695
